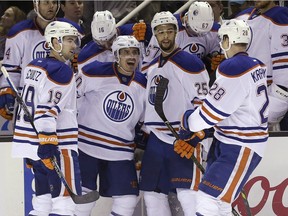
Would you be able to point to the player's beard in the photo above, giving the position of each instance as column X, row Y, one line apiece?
column 262, row 5
column 169, row 48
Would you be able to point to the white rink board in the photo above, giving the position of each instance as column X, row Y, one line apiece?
column 267, row 195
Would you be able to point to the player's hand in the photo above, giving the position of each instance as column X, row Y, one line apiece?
column 48, row 147
column 74, row 63
column 183, row 148
column 7, row 101
column 139, row 30
column 216, row 60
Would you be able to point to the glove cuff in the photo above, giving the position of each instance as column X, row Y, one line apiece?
column 47, row 138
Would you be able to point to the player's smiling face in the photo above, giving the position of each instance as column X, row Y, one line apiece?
column 48, row 9
column 129, row 58
column 165, row 35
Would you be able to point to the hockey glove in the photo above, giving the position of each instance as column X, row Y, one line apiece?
column 216, row 60
column 47, row 148
column 139, row 31
column 183, row 148
column 74, row 63
column 7, row 101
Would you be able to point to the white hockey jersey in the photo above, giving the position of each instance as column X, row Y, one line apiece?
column 49, row 92
column 200, row 46
column 270, row 41
column 237, row 104
column 25, row 42
column 188, row 84
column 111, row 106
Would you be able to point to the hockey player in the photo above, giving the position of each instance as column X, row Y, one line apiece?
column 49, row 92
column 194, row 33
column 237, row 107
column 25, row 42
column 162, row 169
column 270, row 44
column 112, row 103
column 104, row 32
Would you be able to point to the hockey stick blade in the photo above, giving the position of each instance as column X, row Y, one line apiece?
column 78, row 199
column 158, row 106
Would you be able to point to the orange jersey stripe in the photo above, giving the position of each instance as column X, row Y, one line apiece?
column 228, row 195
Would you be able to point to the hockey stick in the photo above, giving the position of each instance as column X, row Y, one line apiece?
column 78, row 199
column 160, row 92
column 159, row 99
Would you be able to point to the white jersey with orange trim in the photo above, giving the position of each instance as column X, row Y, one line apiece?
column 237, row 104
column 49, row 91
column 25, row 42
column 270, row 41
column 188, row 84
column 111, row 106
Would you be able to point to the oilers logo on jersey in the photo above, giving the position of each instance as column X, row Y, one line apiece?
column 196, row 49
column 41, row 50
column 153, row 87
column 118, row 106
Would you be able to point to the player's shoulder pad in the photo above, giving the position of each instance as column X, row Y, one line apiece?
column 140, row 78
column 154, row 61
column 125, row 29
column 89, row 50
column 245, row 11
column 278, row 15
column 72, row 23
column 57, row 71
column 97, row 68
column 21, row 26
column 237, row 65
column 187, row 62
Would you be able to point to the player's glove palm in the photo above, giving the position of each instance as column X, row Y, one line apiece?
column 7, row 101
column 187, row 143
column 48, row 148
column 139, row 31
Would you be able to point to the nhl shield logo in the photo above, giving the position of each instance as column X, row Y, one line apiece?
column 118, row 106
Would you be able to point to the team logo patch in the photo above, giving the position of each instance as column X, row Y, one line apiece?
column 41, row 50
column 118, row 106
column 153, row 87
column 196, row 49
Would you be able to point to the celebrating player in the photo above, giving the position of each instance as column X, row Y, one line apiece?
column 197, row 34
column 269, row 45
column 112, row 103
column 162, row 169
column 49, row 92
column 25, row 42
column 236, row 106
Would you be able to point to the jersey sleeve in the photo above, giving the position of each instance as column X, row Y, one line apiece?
column 12, row 59
column 224, row 97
